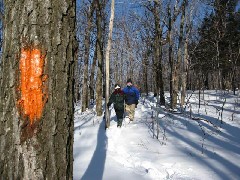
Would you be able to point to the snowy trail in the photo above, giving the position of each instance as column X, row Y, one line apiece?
column 126, row 147
column 130, row 152
column 134, row 148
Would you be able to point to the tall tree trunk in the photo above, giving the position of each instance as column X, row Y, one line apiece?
column 160, row 78
column 87, row 42
column 36, row 95
column 171, row 61
column 145, row 72
column 107, row 64
column 184, row 73
column 175, row 66
column 121, row 67
column 116, row 68
column 99, row 85
column 77, row 80
column 185, row 63
column 158, row 54
column 179, row 55
column 130, row 57
column 220, row 84
column 91, row 84
column 130, row 73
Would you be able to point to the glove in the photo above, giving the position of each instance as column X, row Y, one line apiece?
column 136, row 102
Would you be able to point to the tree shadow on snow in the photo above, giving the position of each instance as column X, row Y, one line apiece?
column 196, row 146
column 96, row 166
column 227, row 139
column 84, row 122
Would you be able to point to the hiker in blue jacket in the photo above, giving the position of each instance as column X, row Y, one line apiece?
column 132, row 97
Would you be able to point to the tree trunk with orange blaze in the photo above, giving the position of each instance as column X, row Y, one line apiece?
column 36, row 90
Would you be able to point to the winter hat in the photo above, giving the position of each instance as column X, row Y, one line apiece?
column 117, row 86
column 129, row 80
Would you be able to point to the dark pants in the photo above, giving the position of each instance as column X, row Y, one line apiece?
column 119, row 114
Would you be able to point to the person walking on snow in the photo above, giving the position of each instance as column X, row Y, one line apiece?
column 118, row 98
column 132, row 97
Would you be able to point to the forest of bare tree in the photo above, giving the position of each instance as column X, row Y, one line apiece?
column 163, row 45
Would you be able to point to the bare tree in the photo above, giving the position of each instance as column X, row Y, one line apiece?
column 99, row 84
column 89, row 15
column 185, row 61
column 172, row 16
column 179, row 55
column 92, row 74
column 36, row 95
column 107, row 116
column 158, row 53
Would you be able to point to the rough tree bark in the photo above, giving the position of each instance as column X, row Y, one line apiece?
column 179, row 55
column 116, row 68
column 158, row 53
column 185, row 65
column 184, row 73
column 99, row 85
column 129, row 52
column 87, row 42
column 171, row 61
column 36, row 132
column 174, row 66
column 145, row 65
column 121, row 79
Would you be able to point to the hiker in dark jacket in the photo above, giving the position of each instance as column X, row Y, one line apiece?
column 117, row 98
column 132, row 97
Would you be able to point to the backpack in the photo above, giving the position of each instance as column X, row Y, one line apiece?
column 119, row 102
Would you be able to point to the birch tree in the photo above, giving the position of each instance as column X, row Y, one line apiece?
column 107, row 116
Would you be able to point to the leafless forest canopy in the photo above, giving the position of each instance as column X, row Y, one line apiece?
column 163, row 45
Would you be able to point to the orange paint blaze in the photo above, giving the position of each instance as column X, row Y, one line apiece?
column 31, row 84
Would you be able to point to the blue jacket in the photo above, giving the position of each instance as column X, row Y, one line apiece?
column 132, row 95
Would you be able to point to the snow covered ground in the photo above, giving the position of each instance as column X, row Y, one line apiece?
column 197, row 144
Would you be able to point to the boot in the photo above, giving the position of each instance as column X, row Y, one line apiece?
column 119, row 123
